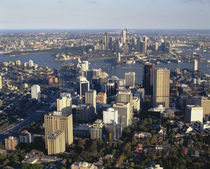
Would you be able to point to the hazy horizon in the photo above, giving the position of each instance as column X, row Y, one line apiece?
column 105, row 14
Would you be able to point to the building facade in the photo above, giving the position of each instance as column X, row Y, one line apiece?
column 56, row 142
column 59, row 121
column 161, row 87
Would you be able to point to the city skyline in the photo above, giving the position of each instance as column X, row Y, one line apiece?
column 100, row 14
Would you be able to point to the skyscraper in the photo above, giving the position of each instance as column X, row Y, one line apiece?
column 0, row 82
column 11, row 143
column 96, row 131
column 110, row 116
column 84, row 86
column 124, row 36
column 124, row 114
column 101, row 97
column 126, row 98
column 106, row 41
column 194, row 113
column 130, row 79
column 195, row 65
column 64, row 104
column 118, row 57
column 90, row 98
column 56, row 142
column 35, row 92
column 59, row 121
column 161, row 87
column 145, row 44
column 148, row 69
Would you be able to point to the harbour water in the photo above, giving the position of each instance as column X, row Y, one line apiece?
column 106, row 65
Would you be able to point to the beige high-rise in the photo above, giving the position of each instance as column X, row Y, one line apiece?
column 11, row 143
column 130, row 79
column 64, row 104
column 195, row 65
column 0, row 82
column 205, row 103
column 124, row 114
column 125, row 96
column 161, row 87
column 59, row 121
column 56, row 142
column 90, row 98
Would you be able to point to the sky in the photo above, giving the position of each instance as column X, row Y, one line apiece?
column 104, row 14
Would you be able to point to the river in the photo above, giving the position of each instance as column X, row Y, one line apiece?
column 105, row 65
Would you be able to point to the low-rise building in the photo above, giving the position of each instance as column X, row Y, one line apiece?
column 83, row 165
column 25, row 137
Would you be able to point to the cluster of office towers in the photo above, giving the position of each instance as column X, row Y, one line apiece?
column 156, row 83
column 59, row 124
column 125, row 44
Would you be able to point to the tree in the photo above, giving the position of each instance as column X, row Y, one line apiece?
column 93, row 146
column 127, row 149
column 134, row 140
column 81, row 144
column 14, row 158
column 154, row 139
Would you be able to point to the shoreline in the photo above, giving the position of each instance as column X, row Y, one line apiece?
column 22, row 54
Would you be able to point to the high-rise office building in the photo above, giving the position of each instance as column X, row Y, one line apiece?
column 148, row 69
column 113, row 131
column 59, row 121
column 90, row 98
column 56, row 142
column 83, row 113
column 156, row 46
column 101, row 97
column 205, row 103
column 194, row 113
column 195, row 65
column 96, row 131
column 140, row 43
column 130, row 79
column 161, row 87
column 118, row 57
column 124, row 114
column 84, row 86
column 106, row 40
column 125, row 96
column 110, row 88
column 64, row 104
column 0, row 82
column 25, row 137
column 84, row 66
column 110, row 116
column 145, row 44
column 30, row 63
column 35, row 92
column 124, row 36
column 11, row 143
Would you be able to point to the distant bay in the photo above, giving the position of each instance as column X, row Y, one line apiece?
column 106, row 65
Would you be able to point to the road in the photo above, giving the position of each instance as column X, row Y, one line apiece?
column 12, row 130
column 35, row 115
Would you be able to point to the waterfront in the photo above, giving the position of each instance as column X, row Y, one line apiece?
column 106, row 65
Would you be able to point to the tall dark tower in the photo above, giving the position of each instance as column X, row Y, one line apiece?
column 148, row 70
